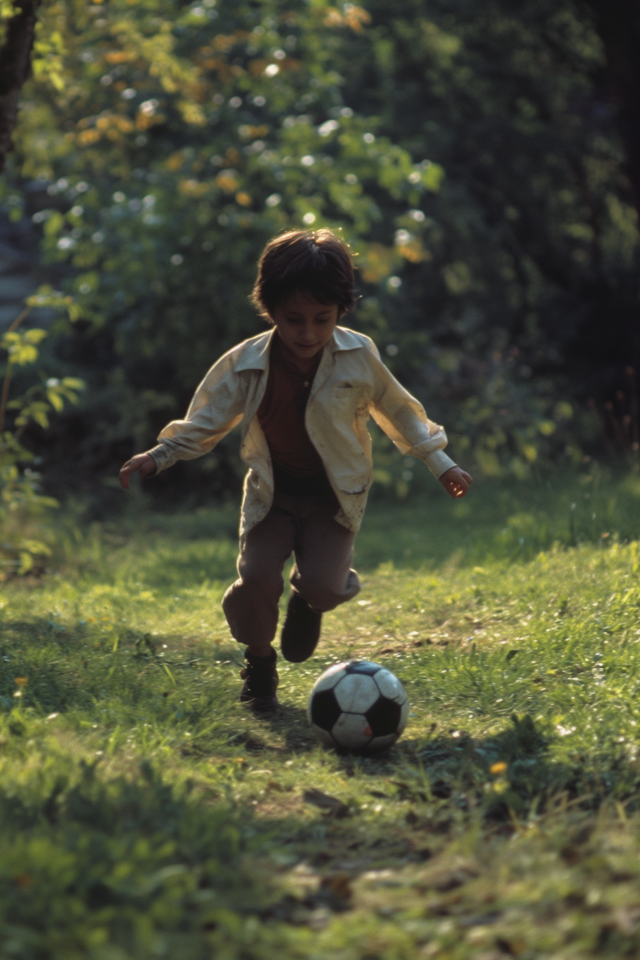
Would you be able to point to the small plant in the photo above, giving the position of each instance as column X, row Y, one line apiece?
column 621, row 421
column 23, row 508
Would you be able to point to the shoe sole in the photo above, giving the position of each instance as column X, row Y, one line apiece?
column 293, row 656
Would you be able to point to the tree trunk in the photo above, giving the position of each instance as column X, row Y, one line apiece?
column 15, row 63
column 618, row 24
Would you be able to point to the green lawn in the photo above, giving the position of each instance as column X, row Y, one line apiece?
column 144, row 814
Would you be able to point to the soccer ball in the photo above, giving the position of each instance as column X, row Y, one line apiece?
column 358, row 706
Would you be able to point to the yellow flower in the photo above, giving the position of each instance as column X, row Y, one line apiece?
column 21, row 681
column 499, row 767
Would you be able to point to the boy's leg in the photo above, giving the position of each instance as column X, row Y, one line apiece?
column 322, row 573
column 251, row 603
column 321, row 579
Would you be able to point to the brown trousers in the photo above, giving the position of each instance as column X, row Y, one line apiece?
column 322, row 574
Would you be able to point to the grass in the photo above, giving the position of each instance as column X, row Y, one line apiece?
column 144, row 814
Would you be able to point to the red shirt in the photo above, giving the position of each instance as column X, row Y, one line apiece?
column 281, row 415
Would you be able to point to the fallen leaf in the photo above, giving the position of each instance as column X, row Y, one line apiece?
column 324, row 801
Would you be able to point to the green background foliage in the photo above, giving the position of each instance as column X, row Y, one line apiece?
column 469, row 156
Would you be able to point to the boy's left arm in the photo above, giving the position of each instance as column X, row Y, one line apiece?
column 405, row 422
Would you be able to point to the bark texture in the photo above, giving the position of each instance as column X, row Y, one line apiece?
column 15, row 64
column 618, row 24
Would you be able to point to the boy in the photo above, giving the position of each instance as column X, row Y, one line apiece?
column 303, row 393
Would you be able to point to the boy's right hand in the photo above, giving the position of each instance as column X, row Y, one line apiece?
column 143, row 463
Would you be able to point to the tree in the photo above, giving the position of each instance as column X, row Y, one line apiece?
column 15, row 66
column 618, row 23
column 531, row 288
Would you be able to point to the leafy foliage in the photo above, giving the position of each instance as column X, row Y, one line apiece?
column 184, row 144
column 22, row 506
column 165, row 144
column 469, row 156
column 529, row 276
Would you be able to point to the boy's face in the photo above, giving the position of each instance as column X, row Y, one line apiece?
column 304, row 325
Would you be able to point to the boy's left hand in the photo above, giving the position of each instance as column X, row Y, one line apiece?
column 456, row 482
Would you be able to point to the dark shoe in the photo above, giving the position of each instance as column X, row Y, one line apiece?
column 301, row 630
column 260, row 682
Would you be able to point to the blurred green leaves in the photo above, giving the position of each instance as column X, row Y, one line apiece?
column 24, row 510
column 466, row 155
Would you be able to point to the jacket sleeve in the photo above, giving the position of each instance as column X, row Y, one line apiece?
column 217, row 406
column 404, row 420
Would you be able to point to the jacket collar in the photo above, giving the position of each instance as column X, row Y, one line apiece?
column 344, row 339
column 254, row 353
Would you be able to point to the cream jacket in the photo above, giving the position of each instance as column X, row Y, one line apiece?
column 351, row 384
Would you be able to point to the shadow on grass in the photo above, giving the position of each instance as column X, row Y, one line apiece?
column 511, row 772
column 499, row 520
column 139, row 853
column 128, row 854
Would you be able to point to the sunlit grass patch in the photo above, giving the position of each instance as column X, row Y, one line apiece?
column 145, row 813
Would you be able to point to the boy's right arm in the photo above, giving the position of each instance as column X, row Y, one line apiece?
column 142, row 463
column 217, row 406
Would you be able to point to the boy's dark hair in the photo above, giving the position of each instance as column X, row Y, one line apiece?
column 304, row 261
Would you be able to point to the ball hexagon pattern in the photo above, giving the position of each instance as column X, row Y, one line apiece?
column 358, row 706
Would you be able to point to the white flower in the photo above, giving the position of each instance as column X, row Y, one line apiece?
column 273, row 200
column 149, row 107
column 309, row 218
column 271, row 70
column 328, row 127
column 565, row 731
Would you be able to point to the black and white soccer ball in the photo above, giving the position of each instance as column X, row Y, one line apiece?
column 358, row 706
